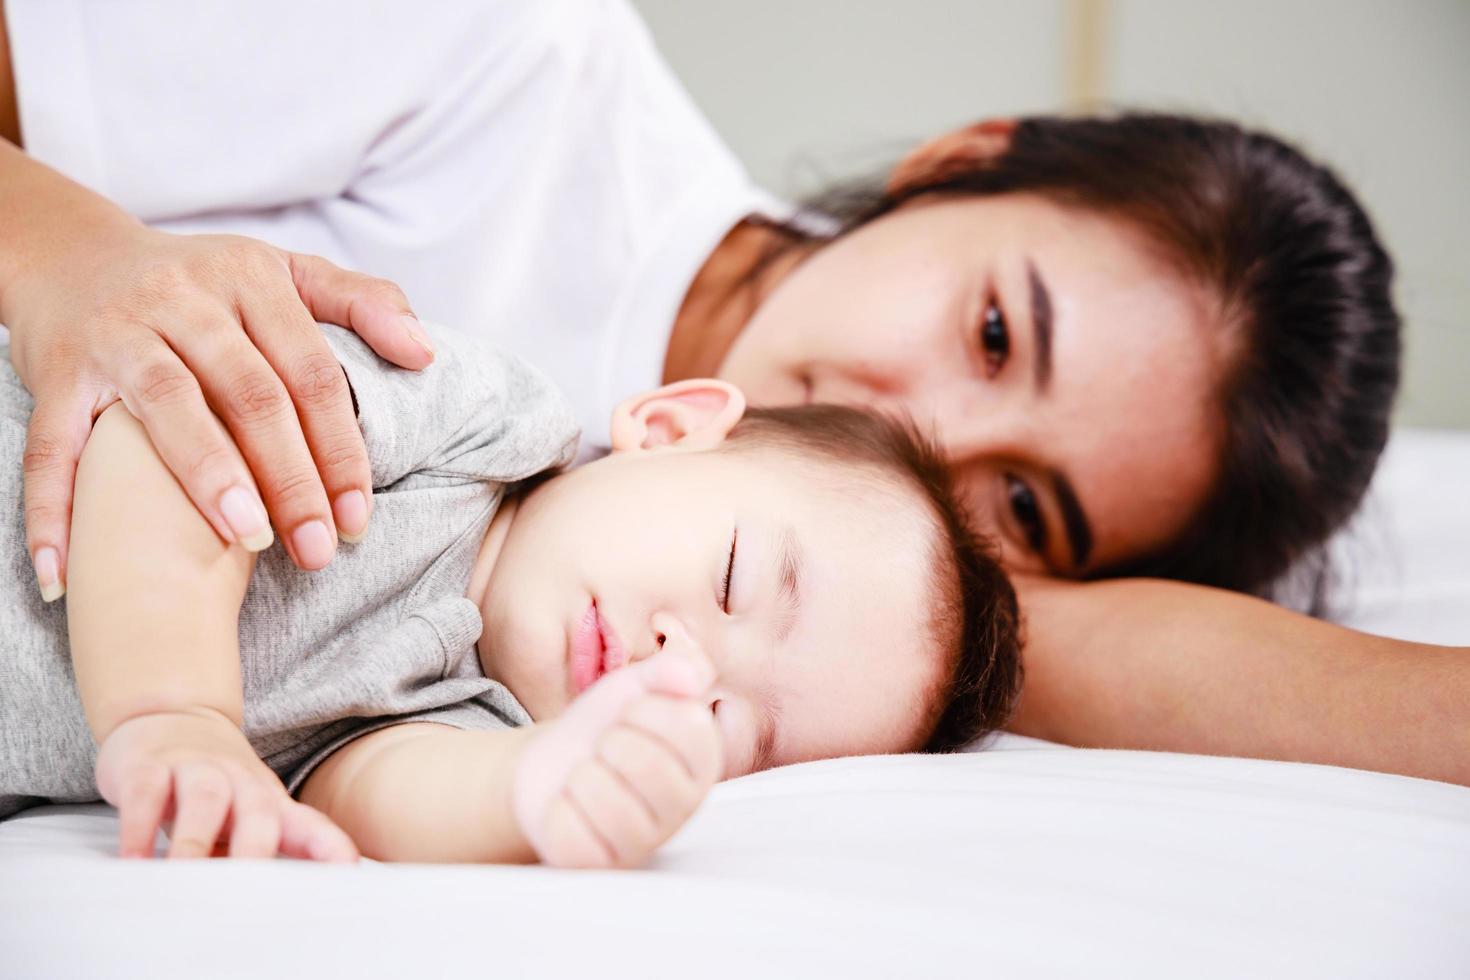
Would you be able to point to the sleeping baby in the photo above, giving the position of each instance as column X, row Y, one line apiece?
column 510, row 665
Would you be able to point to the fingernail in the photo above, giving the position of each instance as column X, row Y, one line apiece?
column 351, row 514
column 313, row 544
column 416, row 331
column 245, row 514
column 48, row 574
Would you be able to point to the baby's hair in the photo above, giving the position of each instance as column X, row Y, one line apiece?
column 976, row 618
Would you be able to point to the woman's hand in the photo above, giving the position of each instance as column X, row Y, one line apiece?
column 189, row 332
column 195, row 769
column 625, row 767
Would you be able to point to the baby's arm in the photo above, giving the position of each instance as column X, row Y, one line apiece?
column 602, row 786
column 155, row 595
column 152, row 611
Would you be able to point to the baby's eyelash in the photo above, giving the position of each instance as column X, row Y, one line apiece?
column 729, row 572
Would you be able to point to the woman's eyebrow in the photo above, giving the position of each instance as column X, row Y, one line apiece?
column 1041, row 324
column 1074, row 518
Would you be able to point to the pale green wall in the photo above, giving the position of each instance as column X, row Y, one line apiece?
column 806, row 90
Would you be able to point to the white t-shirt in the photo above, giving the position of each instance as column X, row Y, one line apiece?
column 527, row 170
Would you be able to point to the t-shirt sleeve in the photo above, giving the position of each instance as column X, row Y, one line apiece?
column 475, row 413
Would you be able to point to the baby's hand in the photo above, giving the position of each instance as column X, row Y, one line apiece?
column 609, row 781
column 197, row 770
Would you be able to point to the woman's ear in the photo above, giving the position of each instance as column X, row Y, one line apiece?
column 695, row 414
column 955, row 150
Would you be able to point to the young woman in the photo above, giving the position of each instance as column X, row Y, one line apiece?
column 1150, row 345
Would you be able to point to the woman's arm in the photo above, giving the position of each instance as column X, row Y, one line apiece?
column 183, row 329
column 153, row 617
column 101, row 307
column 1161, row 665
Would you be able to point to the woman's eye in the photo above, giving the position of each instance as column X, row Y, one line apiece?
column 1027, row 512
column 729, row 574
column 995, row 339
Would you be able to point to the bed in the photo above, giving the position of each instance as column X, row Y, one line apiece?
column 1021, row 858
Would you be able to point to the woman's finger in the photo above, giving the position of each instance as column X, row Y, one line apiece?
column 291, row 342
column 257, row 409
column 375, row 309
column 164, row 395
column 54, row 439
column 201, row 804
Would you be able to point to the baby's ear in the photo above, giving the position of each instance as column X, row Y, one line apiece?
column 695, row 414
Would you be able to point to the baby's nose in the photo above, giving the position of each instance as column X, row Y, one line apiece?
column 669, row 635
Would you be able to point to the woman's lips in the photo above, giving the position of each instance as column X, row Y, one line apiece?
column 595, row 650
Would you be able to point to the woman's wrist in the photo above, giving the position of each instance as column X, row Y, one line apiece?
column 39, row 267
column 49, row 221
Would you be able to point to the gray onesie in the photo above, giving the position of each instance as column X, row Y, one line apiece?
column 381, row 636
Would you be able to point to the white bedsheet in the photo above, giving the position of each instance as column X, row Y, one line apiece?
column 1405, row 561
column 1026, row 859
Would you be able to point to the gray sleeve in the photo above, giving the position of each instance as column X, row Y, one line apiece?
column 476, row 413
column 483, row 714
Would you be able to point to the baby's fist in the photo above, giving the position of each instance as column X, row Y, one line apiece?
column 630, row 761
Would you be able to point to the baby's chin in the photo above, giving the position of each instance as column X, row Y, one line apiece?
column 539, row 696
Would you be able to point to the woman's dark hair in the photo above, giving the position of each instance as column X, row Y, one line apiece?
column 1299, row 273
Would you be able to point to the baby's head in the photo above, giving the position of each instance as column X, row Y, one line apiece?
column 816, row 554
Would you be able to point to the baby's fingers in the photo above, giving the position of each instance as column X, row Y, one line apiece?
column 255, row 830
column 660, row 779
column 622, row 820
column 568, row 840
column 141, row 801
column 309, row 834
column 201, row 803
column 686, row 729
column 681, row 667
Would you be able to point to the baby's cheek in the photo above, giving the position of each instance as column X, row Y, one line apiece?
column 737, row 739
